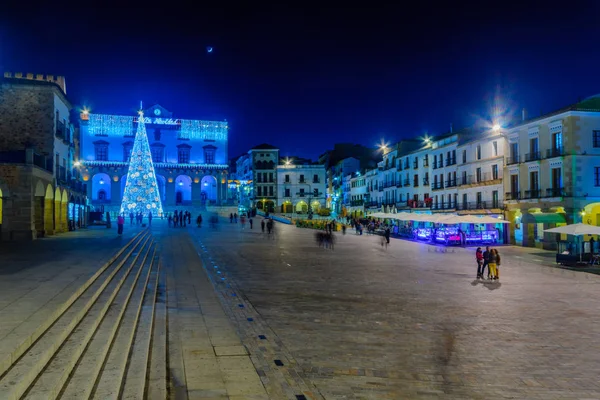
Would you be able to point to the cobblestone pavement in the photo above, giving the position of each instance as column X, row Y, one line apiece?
column 405, row 322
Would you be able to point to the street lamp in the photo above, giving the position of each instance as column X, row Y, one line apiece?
column 496, row 127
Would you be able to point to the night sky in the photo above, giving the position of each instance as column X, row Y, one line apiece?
column 306, row 78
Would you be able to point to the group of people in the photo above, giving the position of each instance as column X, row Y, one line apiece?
column 139, row 218
column 489, row 258
column 180, row 218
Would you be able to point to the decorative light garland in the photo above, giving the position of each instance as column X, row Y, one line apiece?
column 203, row 130
column 122, row 125
column 162, row 165
column 110, row 125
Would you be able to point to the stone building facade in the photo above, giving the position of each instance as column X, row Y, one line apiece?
column 189, row 157
column 40, row 190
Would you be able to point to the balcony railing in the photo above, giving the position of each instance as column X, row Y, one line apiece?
column 443, row 206
column 451, row 183
column 406, row 165
column 556, row 192
column 512, row 195
column 356, row 203
column 533, row 156
column 399, row 183
column 555, row 152
column 316, row 181
column 416, row 183
column 372, row 204
column 482, row 178
column 21, row 157
column 450, row 161
column 426, row 162
column 479, row 205
column 513, row 160
column 425, row 181
column 437, row 185
column 415, row 164
column 399, row 166
column 532, row 194
column 406, row 182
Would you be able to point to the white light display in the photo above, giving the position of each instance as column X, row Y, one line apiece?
column 141, row 190
column 110, row 125
column 203, row 130
column 120, row 126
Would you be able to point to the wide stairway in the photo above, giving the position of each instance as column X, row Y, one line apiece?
column 107, row 341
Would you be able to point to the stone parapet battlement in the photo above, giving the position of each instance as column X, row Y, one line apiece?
column 58, row 80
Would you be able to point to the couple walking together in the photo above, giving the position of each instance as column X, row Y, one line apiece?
column 489, row 258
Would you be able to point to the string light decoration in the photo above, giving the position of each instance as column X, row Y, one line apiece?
column 203, row 130
column 110, row 125
column 141, row 189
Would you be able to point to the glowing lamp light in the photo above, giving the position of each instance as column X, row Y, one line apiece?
column 496, row 127
column 86, row 178
column 170, row 180
column 180, row 183
column 101, row 181
column 196, row 180
column 116, row 178
column 76, row 164
column 205, row 183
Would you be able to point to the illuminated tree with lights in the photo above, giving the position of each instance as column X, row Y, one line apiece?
column 141, row 190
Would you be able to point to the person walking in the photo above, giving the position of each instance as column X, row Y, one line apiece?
column 131, row 218
column 250, row 222
column 120, row 223
column 387, row 235
column 493, row 262
column 231, row 218
column 262, row 225
column 235, row 218
column 199, row 220
column 486, row 261
column 150, row 218
column 169, row 220
column 479, row 259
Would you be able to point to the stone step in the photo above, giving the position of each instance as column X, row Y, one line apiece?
column 110, row 381
column 137, row 369
column 157, row 375
column 24, row 371
column 13, row 345
column 102, row 319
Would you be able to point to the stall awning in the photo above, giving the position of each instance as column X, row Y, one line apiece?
column 544, row 218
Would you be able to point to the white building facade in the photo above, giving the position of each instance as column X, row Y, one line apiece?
column 301, row 189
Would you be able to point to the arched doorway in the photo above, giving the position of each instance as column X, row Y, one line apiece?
column 287, row 207
column 38, row 208
column 64, row 211
column 301, row 207
column 315, row 206
column 101, row 188
column 162, row 184
column 183, row 190
column 123, row 183
column 57, row 209
column 209, row 188
column 49, row 211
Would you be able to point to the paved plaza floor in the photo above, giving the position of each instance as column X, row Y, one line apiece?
column 405, row 322
column 255, row 316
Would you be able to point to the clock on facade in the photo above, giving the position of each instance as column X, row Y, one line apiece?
column 156, row 111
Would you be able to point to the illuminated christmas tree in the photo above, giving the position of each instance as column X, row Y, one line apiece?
column 141, row 190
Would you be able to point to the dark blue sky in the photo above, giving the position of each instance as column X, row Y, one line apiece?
column 305, row 78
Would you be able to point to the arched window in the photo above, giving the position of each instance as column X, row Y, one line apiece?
column 102, row 195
